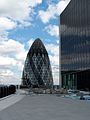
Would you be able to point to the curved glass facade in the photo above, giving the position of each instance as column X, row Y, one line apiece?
column 37, row 70
column 75, row 43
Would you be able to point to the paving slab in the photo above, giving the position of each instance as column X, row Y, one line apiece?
column 10, row 100
column 47, row 107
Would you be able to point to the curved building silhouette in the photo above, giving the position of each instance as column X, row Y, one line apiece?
column 37, row 70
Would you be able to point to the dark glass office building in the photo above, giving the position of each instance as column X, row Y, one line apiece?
column 37, row 71
column 75, row 45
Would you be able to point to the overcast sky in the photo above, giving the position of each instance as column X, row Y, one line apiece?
column 21, row 22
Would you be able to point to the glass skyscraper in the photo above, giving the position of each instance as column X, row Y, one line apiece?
column 75, row 45
column 37, row 69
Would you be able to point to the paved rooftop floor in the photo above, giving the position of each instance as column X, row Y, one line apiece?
column 45, row 107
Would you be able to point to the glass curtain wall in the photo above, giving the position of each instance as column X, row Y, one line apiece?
column 75, row 40
column 37, row 69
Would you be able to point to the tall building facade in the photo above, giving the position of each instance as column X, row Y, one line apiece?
column 37, row 69
column 75, row 45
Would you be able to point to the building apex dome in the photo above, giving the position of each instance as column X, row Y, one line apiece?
column 37, row 42
column 37, row 47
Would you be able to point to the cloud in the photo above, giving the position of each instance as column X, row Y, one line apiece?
column 18, row 10
column 53, row 51
column 53, row 30
column 52, row 11
column 9, row 48
column 57, row 41
column 5, row 61
column 34, row 3
column 45, row 16
column 10, row 79
column 6, row 24
column 30, row 42
column 6, row 73
column 7, row 64
column 12, row 57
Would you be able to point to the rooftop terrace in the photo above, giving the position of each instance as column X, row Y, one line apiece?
column 22, row 106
